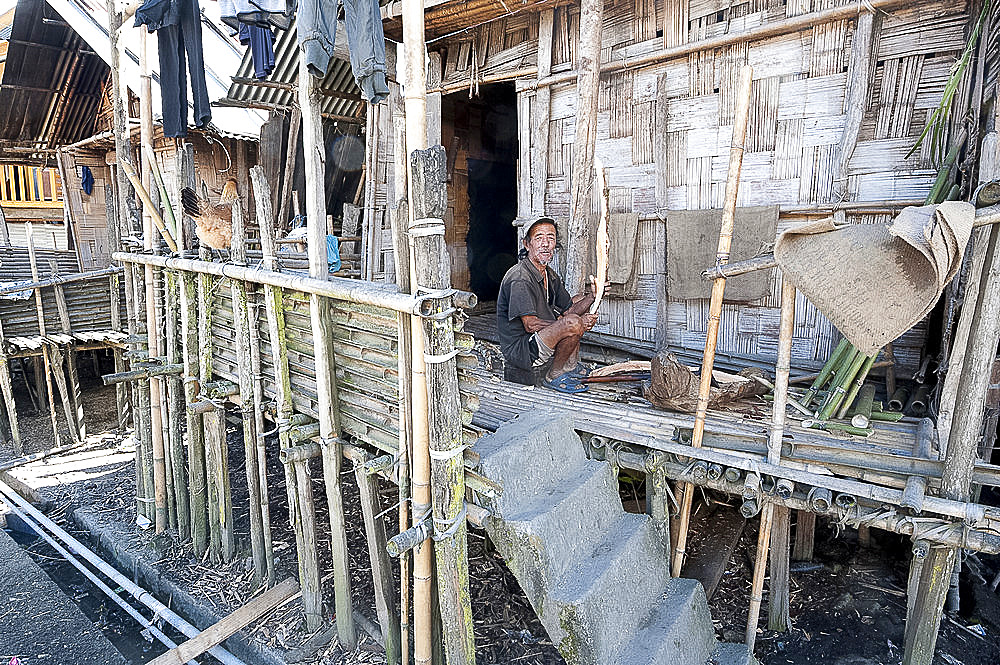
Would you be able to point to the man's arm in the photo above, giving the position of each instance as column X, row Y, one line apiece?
column 533, row 324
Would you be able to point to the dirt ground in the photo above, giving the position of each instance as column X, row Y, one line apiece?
column 847, row 605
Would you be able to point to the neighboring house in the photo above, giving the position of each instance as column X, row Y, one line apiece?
column 32, row 194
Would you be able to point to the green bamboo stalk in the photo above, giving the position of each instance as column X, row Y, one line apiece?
column 840, row 389
column 838, row 427
column 862, row 415
column 887, row 416
column 859, row 381
column 827, row 370
column 836, row 375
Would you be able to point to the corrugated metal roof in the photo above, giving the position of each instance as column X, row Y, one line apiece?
column 52, row 83
column 343, row 98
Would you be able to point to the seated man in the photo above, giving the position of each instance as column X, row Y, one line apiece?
column 540, row 326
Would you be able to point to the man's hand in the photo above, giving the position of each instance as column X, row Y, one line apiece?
column 588, row 321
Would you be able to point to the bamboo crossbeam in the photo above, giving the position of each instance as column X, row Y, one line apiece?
column 62, row 279
column 144, row 373
column 338, row 288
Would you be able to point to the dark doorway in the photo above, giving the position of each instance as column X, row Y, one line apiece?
column 480, row 135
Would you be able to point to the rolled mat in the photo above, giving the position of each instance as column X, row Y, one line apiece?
column 876, row 281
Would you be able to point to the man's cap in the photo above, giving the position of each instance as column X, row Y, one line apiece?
column 540, row 220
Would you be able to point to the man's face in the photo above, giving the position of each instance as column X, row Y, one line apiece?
column 542, row 244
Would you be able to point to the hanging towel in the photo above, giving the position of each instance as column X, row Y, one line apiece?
column 333, row 253
column 87, row 182
column 876, row 281
column 692, row 243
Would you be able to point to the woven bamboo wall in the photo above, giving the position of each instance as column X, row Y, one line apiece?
column 88, row 213
column 664, row 132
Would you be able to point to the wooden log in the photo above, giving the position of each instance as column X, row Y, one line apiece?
column 46, row 360
column 328, row 405
column 432, row 273
column 779, row 585
column 312, row 595
column 241, row 317
column 584, row 145
column 285, row 192
column 222, row 629
column 715, row 307
column 385, row 602
column 274, row 308
column 778, row 591
column 956, row 478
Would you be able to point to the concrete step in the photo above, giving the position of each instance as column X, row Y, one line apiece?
column 570, row 517
column 529, row 455
column 732, row 654
column 677, row 632
column 608, row 595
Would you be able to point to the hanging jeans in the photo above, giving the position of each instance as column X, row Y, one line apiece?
column 180, row 49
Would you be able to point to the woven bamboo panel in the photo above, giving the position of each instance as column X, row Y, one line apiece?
column 664, row 132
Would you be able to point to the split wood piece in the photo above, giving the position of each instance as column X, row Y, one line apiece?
column 241, row 320
column 956, row 478
column 588, row 80
column 46, row 360
column 274, row 307
column 221, row 630
column 74, row 379
column 778, row 592
column 220, row 502
column 328, row 406
column 7, row 390
column 775, row 434
column 385, row 602
column 715, row 306
column 805, row 531
column 601, row 272
column 431, row 269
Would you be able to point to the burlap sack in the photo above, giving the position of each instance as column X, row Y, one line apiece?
column 876, row 281
column 675, row 386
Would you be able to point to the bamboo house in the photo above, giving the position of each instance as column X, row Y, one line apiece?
column 688, row 137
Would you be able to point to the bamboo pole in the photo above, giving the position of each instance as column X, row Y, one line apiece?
column 415, row 113
column 775, row 434
column 841, row 382
column 858, row 382
column 7, row 390
column 274, row 307
column 46, row 360
column 76, row 423
column 241, row 320
column 258, row 410
column 149, row 280
column 715, row 307
column 827, row 371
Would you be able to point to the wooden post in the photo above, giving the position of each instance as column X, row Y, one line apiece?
column 715, row 307
column 46, row 360
column 74, row 379
column 274, row 307
column 385, row 603
column 658, row 504
column 328, row 407
column 241, row 318
column 778, row 591
column 312, row 595
column 777, row 430
column 956, row 477
column 584, row 145
column 432, row 266
column 258, row 410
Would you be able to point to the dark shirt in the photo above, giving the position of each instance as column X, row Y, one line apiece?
column 522, row 293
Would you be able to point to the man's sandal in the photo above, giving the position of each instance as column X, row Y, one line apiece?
column 580, row 371
column 565, row 383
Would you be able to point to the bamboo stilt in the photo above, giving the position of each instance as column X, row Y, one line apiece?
column 274, row 308
column 7, row 391
column 176, row 399
column 326, row 388
column 242, row 343
column 46, row 360
column 715, row 307
column 777, row 430
column 71, row 370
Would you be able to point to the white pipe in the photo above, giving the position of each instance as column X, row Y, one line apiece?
column 134, row 590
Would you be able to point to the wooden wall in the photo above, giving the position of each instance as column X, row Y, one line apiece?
column 88, row 214
column 664, row 131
